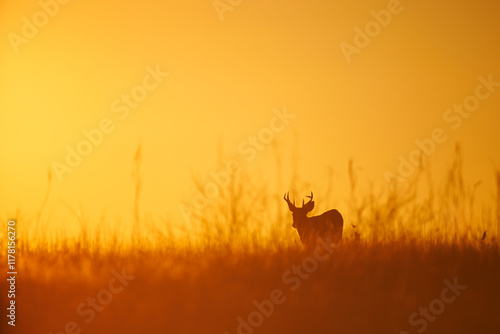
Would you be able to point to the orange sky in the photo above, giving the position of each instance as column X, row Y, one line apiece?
column 225, row 78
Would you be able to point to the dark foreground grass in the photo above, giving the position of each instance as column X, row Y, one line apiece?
column 358, row 288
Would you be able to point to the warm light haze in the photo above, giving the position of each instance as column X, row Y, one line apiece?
column 224, row 80
column 173, row 128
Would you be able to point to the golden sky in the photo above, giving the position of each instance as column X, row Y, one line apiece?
column 232, row 66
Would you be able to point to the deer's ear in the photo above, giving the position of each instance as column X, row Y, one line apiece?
column 309, row 206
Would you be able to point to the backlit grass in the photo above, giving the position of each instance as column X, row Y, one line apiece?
column 399, row 247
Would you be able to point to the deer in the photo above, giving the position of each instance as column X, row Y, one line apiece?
column 327, row 226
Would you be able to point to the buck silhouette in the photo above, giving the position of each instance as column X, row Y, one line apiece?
column 327, row 226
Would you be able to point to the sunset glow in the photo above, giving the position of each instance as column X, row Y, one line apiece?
column 163, row 126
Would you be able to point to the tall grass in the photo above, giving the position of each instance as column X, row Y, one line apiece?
column 401, row 241
column 247, row 216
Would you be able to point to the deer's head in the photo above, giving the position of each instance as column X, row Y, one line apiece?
column 299, row 214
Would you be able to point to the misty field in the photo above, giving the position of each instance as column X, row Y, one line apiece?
column 360, row 288
column 407, row 264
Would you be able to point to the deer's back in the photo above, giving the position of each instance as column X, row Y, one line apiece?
column 334, row 217
column 328, row 225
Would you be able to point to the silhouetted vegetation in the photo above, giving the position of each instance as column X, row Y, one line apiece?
column 199, row 277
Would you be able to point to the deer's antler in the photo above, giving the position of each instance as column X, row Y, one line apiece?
column 310, row 199
column 287, row 199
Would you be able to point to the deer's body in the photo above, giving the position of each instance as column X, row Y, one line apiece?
column 327, row 226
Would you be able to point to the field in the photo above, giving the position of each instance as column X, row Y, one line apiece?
column 152, row 153
column 407, row 264
column 360, row 288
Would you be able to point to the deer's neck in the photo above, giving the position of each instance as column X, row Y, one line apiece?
column 299, row 222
